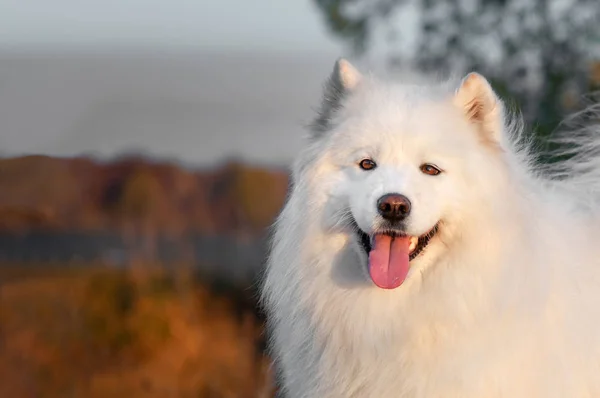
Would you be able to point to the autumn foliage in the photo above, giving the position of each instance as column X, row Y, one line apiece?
column 82, row 194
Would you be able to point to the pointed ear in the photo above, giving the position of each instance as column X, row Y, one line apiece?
column 346, row 74
column 341, row 82
column 481, row 107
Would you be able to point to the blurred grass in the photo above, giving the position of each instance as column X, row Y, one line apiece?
column 146, row 331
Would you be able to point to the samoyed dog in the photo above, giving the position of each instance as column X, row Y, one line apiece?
column 423, row 253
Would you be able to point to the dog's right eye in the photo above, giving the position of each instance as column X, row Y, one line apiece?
column 367, row 164
column 429, row 169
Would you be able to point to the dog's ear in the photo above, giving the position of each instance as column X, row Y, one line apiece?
column 341, row 82
column 476, row 98
column 345, row 75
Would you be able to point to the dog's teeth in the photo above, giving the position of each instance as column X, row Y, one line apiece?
column 413, row 243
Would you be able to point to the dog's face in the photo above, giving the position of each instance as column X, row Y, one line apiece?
column 406, row 164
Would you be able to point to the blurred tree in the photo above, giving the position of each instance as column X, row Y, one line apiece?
column 539, row 52
column 141, row 197
column 258, row 194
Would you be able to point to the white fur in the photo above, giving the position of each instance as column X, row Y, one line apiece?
column 505, row 300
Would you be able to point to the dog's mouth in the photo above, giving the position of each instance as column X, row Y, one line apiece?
column 416, row 243
column 390, row 252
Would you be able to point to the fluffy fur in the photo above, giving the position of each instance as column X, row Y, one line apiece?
column 505, row 299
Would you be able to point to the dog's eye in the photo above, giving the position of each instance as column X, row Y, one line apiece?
column 367, row 164
column 429, row 169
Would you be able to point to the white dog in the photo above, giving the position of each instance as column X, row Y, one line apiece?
column 422, row 254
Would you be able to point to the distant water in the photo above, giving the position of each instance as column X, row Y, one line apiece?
column 217, row 256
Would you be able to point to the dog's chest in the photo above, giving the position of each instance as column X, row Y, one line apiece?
column 450, row 376
column 437, row 363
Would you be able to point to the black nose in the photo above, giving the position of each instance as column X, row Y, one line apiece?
column 393, row 207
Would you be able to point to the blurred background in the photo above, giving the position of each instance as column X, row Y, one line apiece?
column 144, row 152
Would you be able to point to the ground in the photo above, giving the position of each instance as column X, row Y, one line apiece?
column 94, row 331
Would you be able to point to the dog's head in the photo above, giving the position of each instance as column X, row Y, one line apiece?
column 405, row 165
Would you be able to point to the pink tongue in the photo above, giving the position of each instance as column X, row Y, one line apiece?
column 388, row 261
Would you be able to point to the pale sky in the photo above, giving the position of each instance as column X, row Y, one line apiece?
column 278, row 25
column 243, row 82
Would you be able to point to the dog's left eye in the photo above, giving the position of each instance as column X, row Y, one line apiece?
column 367, row 164
column 430, row 169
